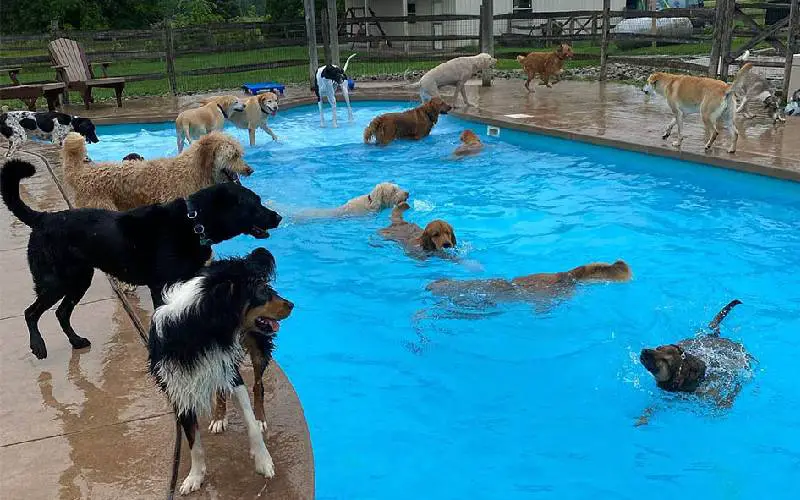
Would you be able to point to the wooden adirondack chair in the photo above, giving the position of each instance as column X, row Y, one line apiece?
column 72, row 67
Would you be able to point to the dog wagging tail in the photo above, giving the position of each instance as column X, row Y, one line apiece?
column 714, row 325
column 11, row 175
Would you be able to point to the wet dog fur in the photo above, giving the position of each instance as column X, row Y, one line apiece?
column 154, row 245
column 412, row 124
column 545, row 64
column 383, row 195
column 470, row 144
column 257, row 110
column 195, row 347
column 210, row 116
column 437, row 236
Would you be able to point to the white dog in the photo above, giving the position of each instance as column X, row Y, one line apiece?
column 453, row 72
column 329, row 78
column 383, row 195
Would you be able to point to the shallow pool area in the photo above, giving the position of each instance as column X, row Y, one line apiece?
column 408, row 395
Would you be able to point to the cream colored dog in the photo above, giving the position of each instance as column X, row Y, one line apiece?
column 257, row 110
column 193, row 123
column 453, row 72
column 383, row 195
column 685, row 94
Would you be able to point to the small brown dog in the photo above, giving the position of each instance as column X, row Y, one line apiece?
column 419, row 242
column 193, row 123
column 470, row 144
column 412, row 124
column 545, row 64
column 533, row 286
column 257, row 109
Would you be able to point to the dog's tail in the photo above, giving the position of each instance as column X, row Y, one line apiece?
column 10, row 176
column 73, row 151
column 347, row 62
column 714, row 325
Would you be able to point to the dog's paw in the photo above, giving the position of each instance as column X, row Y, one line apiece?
column 677, row 144
column 39, row 349
column 80, row 343
column 218, row 426
column 665, row 135
column 262, row 425
column 263, row 463
column 732, row 150
column 191, row 483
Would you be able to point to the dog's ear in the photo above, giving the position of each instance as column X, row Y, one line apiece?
column 427, row 241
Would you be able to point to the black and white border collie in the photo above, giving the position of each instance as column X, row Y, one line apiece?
column 17, row 126
column 329, row 78
column 195, row 346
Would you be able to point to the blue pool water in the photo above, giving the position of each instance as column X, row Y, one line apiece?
column 406, row 399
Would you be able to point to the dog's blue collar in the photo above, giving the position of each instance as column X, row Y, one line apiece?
column 198, row 229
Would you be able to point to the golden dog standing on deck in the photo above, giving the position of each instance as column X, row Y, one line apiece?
column 685, row 94
column 257, row 109
column 209, row 117
column 545, row 64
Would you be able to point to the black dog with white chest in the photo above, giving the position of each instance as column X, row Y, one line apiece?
column 154, row 245
column 196, row 347
column 17, row 126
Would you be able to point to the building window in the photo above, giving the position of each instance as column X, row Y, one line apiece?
column 412, row 11
column 523, row 5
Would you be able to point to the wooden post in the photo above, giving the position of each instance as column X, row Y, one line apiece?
column 713, row 62
column 604, row 40
column 326, row 39
column 311, row 35
column 729, row 12
column 169, row 50
column 791, row 47
column 487, row 37
column 333, row 30
column 594, row 30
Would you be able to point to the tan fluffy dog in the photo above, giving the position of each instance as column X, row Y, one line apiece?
column 257, row 109
column 685, row 94
column 545, row 64
column 383, row 195
column 212, row 159
column 210, row 116
column 412, row 124
column 470, row 144
column 419, row 242
column 533, row 286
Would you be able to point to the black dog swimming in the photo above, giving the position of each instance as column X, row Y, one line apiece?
column 195, row 346
column 707, row 365
column 154, row 245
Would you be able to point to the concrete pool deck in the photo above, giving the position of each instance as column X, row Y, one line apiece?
column 91, row 424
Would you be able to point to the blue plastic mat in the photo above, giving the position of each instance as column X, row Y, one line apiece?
column 257, row 88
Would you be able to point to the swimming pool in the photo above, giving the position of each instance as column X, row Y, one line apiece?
column 405, row 399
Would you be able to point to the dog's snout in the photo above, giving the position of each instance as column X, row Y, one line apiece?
column 289, row 305
column 447, row 244
column 278, row 218
column 248, row 170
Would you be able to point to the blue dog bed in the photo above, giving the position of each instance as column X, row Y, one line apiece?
column 258, row 88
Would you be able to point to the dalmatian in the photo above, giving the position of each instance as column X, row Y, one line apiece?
column 18, row 126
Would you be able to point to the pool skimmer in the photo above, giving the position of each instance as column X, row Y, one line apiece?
column 492, row 131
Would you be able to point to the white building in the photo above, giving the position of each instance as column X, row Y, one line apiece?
column 386, row 8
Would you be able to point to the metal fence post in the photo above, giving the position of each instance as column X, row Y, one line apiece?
column 333, row 27
column 791, row 46
column 169, row 50
column 487, row 37
column 604, row 40
column 311, row 35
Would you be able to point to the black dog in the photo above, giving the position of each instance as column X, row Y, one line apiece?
column 706, row 365
column 195, row 346
column 16, row 126
column 154, row 245
column 133, row 157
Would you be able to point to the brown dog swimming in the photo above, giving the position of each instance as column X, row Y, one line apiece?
column 706, row 365
column 470, row 144
column 437, row 235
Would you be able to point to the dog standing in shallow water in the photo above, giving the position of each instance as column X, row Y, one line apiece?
column 257, row 110
column 411, row 124
column 155, row 245
column 211, row 116
column 195, row 347
column 329, row 78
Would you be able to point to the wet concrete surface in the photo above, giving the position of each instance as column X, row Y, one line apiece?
column 91, row 423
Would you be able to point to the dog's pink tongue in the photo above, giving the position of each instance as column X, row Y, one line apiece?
column 274, row 325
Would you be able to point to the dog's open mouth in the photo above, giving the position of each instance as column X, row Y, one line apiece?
column 231, row 175
column 267, row 325
column 257, row 232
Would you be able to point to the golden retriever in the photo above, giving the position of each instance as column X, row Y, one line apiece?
column 257, row 109
column 214, row 158
column 211, row 116
column 470, row 144
column 686, row 94
column 545, row 64
column 412, row 124
column 383, row 195
column 437, row 235
column 533, row 287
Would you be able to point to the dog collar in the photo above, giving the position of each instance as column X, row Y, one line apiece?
column 198, row 229
column 224, row 114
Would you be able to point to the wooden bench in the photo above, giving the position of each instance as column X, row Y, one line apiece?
column 29, row 94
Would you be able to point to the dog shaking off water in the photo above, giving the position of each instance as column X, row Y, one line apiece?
column 155, row 245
